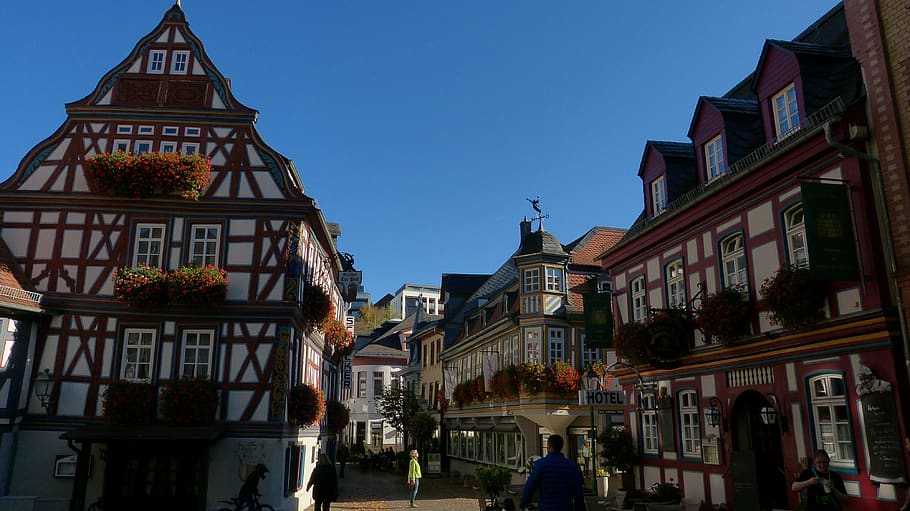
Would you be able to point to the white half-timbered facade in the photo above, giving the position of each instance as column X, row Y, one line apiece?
column 254, row 220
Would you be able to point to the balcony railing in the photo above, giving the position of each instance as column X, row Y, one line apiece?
column 746, row 164
column 19, row 294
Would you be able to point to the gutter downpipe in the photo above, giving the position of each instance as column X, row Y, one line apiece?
column 884, row 221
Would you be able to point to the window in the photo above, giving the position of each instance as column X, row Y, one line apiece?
column 168, row 147
column 786, row 111
column 658, row 196
column 204, row 249
column 588, row 355
column 192, row 148
column 649, row 424
column 531, row 304
column 639, row 302
column 122, row 146
column 294, row 460
column 831, row 415
column 156, row 61
column 556, row 345
column 532, row 345
column 197, row 353
column 143, row 146
column 676, row 285
column 714, row 158
column 138, row 354
column 179, row 61
column 124, row 129
column 361, row 384
column 149, row 241
column 689, row 424
column 146, row 130
column 169, row 130
column 531, row 280
column 734, row 261
column 554, row 279
column 377, row 384
column 192, row 132
column 795, row 224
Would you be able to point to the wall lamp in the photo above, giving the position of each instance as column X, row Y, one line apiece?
column 771, row 412
column 44, row 387
column 715, row 415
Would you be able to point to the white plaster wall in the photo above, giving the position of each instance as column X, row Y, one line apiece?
column 707, row 244
column 694, row 485
column 718, row 490
column 760, row 219
column 651, row 476
column 849, row 301
column 653, row 273
column 691, row 251
column 33, row 470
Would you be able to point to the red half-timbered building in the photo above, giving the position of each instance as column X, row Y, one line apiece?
column 734, row 397
column 69, row 238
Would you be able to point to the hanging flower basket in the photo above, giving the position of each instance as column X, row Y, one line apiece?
column 315, row 306
column 128, row 403
column 600, row 369
column 562, row 378
column 725, row 316
column 189, row 401
column 305, row 405
column 336, row 416
column 149, row 174
column 140, row 287
column 670, row 337
column 338, row 337
column 533, row 376
column 631, row 341
column 192, row 285
column 792, row 298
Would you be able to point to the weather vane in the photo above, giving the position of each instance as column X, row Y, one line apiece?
column 535, row 203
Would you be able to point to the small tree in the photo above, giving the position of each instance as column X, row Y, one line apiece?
column 371, row 317
column 421, row 427
column 397, row 405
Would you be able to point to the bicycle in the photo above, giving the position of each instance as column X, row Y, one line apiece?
column 236, row 505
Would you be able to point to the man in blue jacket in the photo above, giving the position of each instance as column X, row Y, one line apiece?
column 557, row 479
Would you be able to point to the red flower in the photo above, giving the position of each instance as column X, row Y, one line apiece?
column 336, row 416
column 149, row 174
column 127, row 402
column 305, row 405
column 792, row 298
column 631, row 341
column 725, row 315
column 189, row 401
column 315, row 306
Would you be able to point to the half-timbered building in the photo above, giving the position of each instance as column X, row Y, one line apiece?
column 70, row 237
column 757, row 267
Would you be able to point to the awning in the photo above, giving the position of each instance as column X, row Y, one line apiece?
column 147, row 433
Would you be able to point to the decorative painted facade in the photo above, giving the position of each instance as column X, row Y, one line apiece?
column 75, row 240
column 773, row 186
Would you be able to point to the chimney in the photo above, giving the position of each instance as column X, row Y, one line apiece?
column 525, row 228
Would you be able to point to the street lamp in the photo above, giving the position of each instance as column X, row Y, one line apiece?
column 44, row 386
column 771, row 412
column 714, row 415
column 592, row 384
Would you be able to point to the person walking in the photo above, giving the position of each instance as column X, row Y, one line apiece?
column 324, row 483
column 825, row 490
column 557, row 480
column 343, row 455
column 414, row 476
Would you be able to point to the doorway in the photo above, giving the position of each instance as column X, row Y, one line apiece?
column 758, row 460
column 156, row 475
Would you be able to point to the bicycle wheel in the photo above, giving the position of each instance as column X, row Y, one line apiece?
column 266, row 507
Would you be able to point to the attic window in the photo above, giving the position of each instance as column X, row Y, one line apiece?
column 179, row 62
column 786, row 111
column 714, row 158
column 156, row 61
column 658, row 196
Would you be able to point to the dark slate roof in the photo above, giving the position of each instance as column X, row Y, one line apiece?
column 742, row 124
column 380, row 350
column 540, row 241
column 461, row 284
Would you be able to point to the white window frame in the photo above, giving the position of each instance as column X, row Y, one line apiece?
column 156, row 61
column 555, row 278
column 205, row 244
column 556, row 345
column 676, row 285
column 658, row 196
column 197, row 352
column 124, row 129
column 795, row 225
column 121, row 145
column 170, row 131
column 689, row 424
column 169, row 147
column 361, row 384
column 192, row 131
column 146, row 238
column 142, row 146
column 138, row 359
column 830, row 412
column 531, row 280
column 180, row 62
column 733, row 261
column 649, row 443
column 639, row 296
column 588, row 355
column 146, row 130
column 786, row 111
column 189, row 148
column 715, row 164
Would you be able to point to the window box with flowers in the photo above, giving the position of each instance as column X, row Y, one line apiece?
column 129, row 403
column 140, row 287
column 533, row 376
column 631, row 341
column 149, row 174
column 315, row 306
column 792, row 298
column 197, row 285
column 306, row 405
column 189, row 401
column 506, row 383
column 562, row 378
column 725, row 316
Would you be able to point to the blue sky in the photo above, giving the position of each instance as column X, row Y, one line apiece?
column 421, row 126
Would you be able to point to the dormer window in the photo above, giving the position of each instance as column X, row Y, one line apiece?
column 714, row 158
column 179, row 60
column 786, row 111
column 658, row 196
column 156, row 61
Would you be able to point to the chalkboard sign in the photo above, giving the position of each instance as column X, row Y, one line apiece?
column 886, row 452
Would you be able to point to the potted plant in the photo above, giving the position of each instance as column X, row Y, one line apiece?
column 725, row 316
column 562, row 378
column 506, row 383
column 189, row 401
column 492, row 479
column 305, row 405
column 149, row 174
column 129, row 402
column 631, row 341
column 197, row 285
column 619, row 455
column 533, row 376
column 792, row 297
column 666, row 493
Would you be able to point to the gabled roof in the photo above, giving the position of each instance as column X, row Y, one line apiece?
column 597, row 240
column 727, row 107
column 669, row 150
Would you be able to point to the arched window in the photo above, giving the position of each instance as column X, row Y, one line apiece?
column 831, row 415
column 676, row 285
column 733, row 254
column 649, row 424
column 639, row 300
column 795, row 224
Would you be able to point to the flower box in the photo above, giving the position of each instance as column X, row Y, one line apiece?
column 562, row 378
column 192, row 285
column 792, row 298
column 631, row 342
column 306, row 405
column 725, row 316
column 189, row 401
column 140, row 287
column 149, row 174
column 129, row 403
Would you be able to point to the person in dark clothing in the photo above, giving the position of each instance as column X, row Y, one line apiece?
column 324, row 483
column 557, row 479
column 825, row 490
column 250, row 488
column 343, row 455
